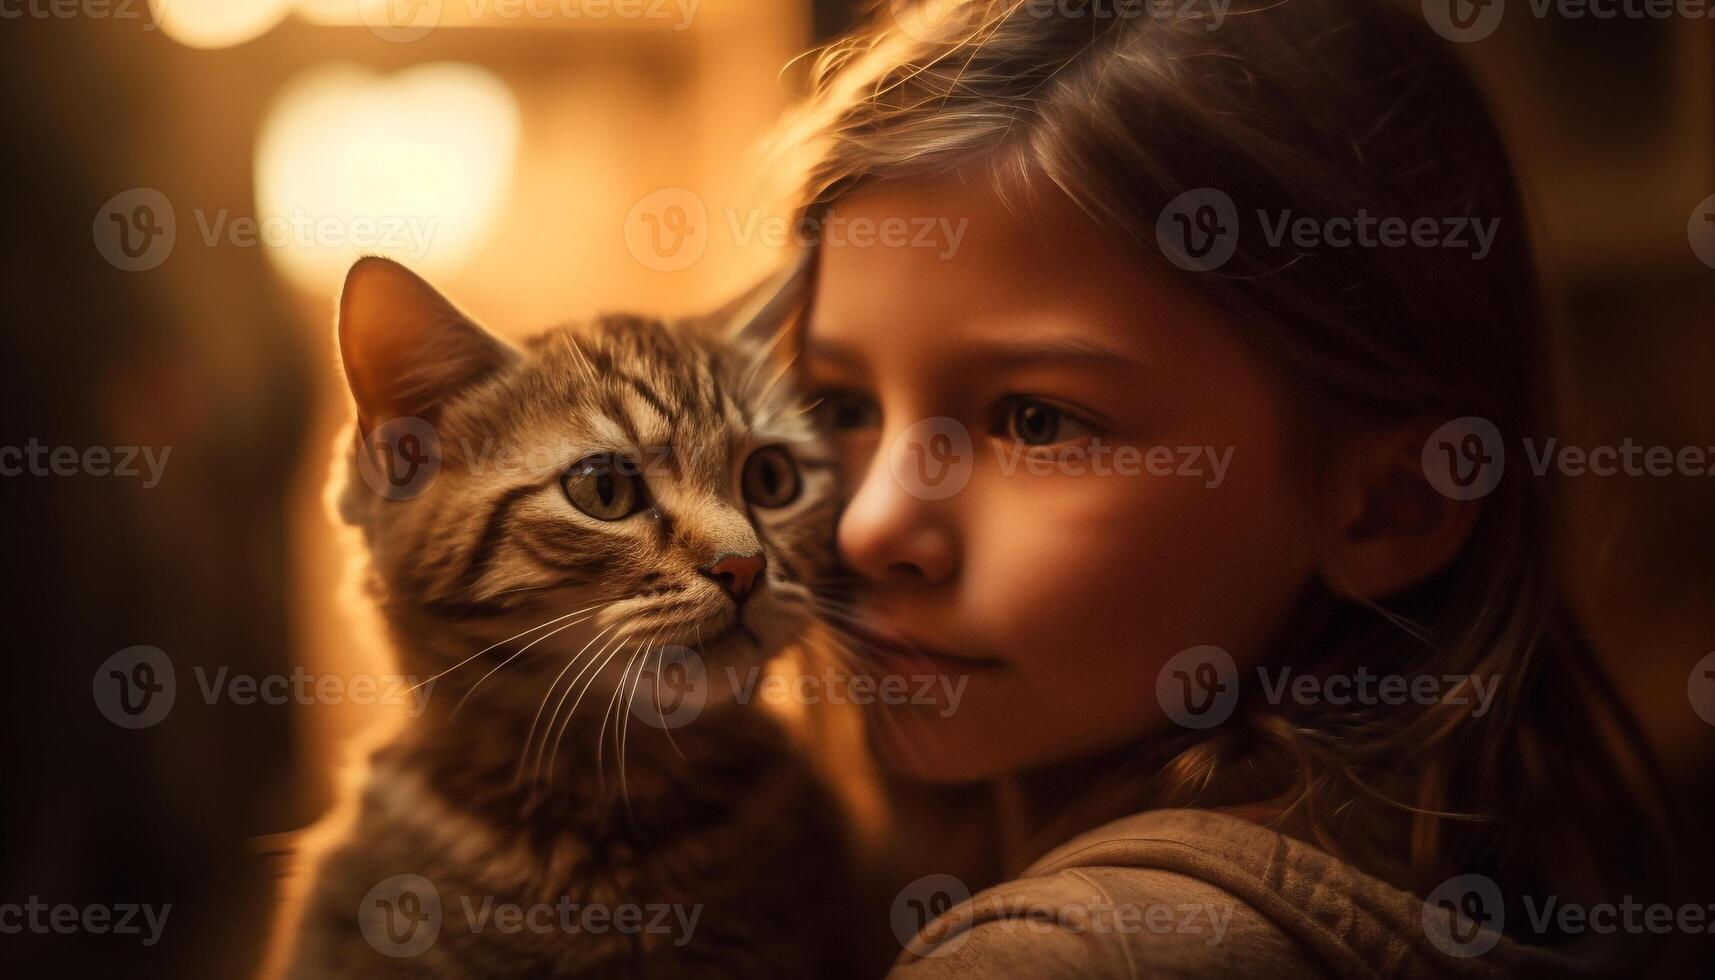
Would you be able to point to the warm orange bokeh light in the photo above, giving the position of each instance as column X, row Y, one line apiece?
column 218, row 23
column 414, row 166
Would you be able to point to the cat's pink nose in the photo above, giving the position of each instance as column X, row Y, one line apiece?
column 737, row 573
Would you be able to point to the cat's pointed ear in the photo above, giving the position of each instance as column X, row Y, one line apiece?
column 405, row 347
column 762, row 317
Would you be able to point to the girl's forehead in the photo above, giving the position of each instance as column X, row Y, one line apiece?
column 1029, row 278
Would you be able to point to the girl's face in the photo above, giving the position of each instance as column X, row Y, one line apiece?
column 1061, row 468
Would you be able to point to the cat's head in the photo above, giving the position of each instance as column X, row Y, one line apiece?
column 652, row 485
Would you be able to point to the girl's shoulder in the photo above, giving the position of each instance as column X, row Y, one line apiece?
column 1171, row 893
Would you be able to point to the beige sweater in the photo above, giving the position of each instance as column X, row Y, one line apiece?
column 1190, row 893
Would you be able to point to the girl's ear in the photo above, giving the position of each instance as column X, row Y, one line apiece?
column 405, row 347
column 1391, row 528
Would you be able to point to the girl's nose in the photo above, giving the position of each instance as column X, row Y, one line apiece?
column 888, row 534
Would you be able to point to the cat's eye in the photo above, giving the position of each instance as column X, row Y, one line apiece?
column 770, row 478
column 846, row 409
column 1034, row 422
column 605, row 487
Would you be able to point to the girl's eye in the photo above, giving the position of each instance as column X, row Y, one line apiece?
column 605, row 487
column 770, row 478
column 1037, row 423
column 846, row 410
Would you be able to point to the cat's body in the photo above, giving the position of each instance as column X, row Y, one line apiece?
column 734, row 875
column 531, row 822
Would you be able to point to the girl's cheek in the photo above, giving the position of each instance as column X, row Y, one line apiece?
column 1040, row 551
column 1058, row 563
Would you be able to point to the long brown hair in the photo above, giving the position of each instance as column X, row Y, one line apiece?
column 1320, row 108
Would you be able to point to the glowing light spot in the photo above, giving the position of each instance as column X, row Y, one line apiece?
column 414, row 166
column 217, row 23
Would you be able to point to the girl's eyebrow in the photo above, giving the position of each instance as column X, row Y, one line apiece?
column 1063, row 348
column 1001, row 352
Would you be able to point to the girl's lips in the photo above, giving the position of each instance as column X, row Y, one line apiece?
column 901, row 652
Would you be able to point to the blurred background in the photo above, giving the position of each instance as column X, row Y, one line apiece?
column 187, row 180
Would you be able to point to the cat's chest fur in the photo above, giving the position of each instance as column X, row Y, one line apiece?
column 702, row 868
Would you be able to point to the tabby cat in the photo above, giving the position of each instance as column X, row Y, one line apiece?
column 558, row 529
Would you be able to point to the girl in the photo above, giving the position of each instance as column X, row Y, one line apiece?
column 1174, row 414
